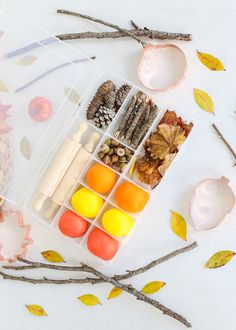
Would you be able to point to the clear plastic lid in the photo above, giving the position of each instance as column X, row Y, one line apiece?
column 42, row 82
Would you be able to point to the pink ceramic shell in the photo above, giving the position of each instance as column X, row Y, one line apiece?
column 160, row 62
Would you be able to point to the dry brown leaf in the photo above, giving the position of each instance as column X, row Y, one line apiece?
column 166, row 164
column 25, row 147
column 165, row 141
column 36, row 310
column 52, row 256
column 220, row 259
column 147, row 171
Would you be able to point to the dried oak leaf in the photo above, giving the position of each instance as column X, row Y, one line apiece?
column 147, row 171
column 165, row 141
column 166, row 163
column 171, row 118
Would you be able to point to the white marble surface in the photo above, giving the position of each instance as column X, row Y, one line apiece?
column 205, row 297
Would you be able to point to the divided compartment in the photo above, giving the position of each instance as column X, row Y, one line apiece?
column 102, row 77
column 55, row 226
column 74, row 158
column 114, row 127
column 110, row 147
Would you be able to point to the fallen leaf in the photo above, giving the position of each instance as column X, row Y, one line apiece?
column 115, row 292
column 203, row 100
column 219, row 259
column 36, row 310
column 152, row 287
column 166, row 163
column 72, row 95
column 89, row 300
column 211, row 62
column 147, row 171
column 52, row 256
column 26, row 60
column 3, row 87
column 132, row 168
column 166, row 140
column 25, row 148
column 178, row 225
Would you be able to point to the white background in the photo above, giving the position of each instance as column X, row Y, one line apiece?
column 205, row 297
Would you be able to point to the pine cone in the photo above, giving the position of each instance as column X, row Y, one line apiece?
column 109, row 99
column 103, row 117
column 121, row 94
column 98, row 99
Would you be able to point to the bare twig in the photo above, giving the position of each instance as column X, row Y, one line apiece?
column 114, row 26
column 135, row 25
column 146, row 33
column 128, row 274
column 224, row 141
column 140, row 296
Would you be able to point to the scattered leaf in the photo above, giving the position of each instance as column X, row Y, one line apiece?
column 26, row 60
column 89, row 300
column 52, row 256
column 166, row 163
column 3, row 87
column 36, row 310
column 219, row 259
column 115, row 292
column 203, row 100
column 132, row 168
column 152, row 287
column 72, row 95
column 178, row 225
column 211, row 62
column 25, row 148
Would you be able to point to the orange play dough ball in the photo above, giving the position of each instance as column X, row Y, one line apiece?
column 102, row 245
column 100, row 178
column 131, row 198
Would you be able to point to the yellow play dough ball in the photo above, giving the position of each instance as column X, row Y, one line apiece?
column 86, row 202
column 117, row 222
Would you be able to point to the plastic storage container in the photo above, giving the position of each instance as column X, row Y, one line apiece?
column 39, row 87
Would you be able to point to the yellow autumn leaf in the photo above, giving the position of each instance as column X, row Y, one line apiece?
column 132, row 168
column 211, row 62
column 219, row 259
column 89, row 300
column 3, row 87
column 152, row 287
column 178, row 225
column 203, row 100
column 26, row 60
column 52, row 256
column 36, row 310
column 115, row 292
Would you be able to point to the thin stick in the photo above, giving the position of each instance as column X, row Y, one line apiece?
column 135, row 25
column 128, row 274
column 151, row 34
column 140, row 296
column 55, row 68
column 114, row 26
column 224, row 141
